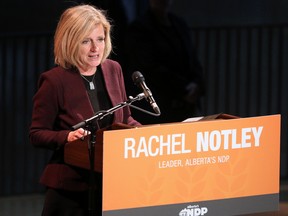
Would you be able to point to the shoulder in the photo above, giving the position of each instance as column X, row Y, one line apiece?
column 110, row 62
column 57, row 75
column 111, row 65
column 57, row 71
column 112, row 71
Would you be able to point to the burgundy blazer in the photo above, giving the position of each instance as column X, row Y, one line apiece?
column 61, row 102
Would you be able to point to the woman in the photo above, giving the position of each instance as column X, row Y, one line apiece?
column 83, row 82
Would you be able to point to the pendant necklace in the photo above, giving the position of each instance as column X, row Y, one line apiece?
column 91, row 83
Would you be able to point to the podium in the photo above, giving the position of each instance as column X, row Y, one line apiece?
column 229, row 166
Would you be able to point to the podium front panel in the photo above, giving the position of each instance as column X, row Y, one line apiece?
column 221, row 167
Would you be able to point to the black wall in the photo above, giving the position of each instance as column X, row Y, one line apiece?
column 242, row 44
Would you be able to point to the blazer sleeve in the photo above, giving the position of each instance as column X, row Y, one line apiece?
column 43, row 131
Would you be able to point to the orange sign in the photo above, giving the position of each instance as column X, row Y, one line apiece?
column 191, row 162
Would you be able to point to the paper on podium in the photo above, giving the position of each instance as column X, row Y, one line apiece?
column 211, row 117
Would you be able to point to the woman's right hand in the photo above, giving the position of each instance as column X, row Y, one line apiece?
column 77, row 134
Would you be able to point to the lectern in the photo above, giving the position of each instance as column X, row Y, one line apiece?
column 224, row 167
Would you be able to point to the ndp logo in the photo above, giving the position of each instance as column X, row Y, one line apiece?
column 194, row 210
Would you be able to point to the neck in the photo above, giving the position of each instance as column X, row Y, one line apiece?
column 87, row 72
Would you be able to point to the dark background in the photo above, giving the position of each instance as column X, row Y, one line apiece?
column 242, row 45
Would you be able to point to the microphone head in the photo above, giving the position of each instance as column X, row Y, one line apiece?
column 137, row 77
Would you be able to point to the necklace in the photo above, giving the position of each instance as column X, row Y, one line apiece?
column 91, row 83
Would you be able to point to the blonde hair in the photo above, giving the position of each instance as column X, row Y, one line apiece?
column 74, row 25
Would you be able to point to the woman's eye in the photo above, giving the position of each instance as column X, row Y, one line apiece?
column 85, row 41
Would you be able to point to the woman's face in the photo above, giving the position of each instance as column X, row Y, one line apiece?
column 91, row 50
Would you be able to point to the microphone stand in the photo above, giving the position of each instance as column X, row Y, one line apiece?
column 92, row 125
column 102, row 113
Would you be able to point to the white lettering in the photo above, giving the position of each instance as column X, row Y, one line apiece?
column 172, row 144
column 129, row 146
column 202, row 141
column 215, row 140
column 170, row 163
column 150, row 148
column 257, row 134
column 226, row 134
column 228, row 139
column 246, row 137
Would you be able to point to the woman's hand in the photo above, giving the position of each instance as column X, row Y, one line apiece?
column 77, row 134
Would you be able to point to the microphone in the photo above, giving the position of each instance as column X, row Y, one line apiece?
column 139, row 80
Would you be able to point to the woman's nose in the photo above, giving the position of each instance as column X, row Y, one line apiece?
column 94, row 47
